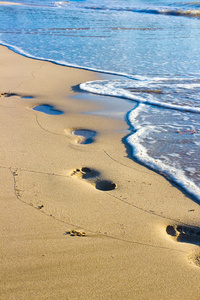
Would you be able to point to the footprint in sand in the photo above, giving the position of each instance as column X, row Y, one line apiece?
column 93, row 177
column 82, row 136
column 7, row 95
column 194, row 259
column 75, row 233
column 47, row 109
column 185, row 234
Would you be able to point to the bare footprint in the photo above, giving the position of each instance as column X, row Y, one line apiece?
column 93, row 177
column 7, row 95
column 85, row 173
column 47, row 109
column 185, row 234
column 82, row 136
column 75, row 233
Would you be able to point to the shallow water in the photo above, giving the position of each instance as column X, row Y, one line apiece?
column 47, row 109
column 87, row 135
column 154, row 48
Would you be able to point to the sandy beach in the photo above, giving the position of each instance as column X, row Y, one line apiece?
column 79, row 218
column 8, row 2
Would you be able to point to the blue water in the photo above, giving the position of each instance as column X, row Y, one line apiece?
column 154, row 48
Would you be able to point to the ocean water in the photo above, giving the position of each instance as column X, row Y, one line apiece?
column 154, row 49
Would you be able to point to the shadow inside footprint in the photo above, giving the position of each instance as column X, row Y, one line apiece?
column 8, row 95
column 47, row 109
column 85, row 173
column 185, row 234
column 105, row 185
column 27, row 97
column 92, row 176
column 87, row 136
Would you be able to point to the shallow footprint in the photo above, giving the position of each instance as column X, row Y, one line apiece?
column 47, row 109
column 7, row 95
column 83, row 136
column 92, row 176
column 85, row 173
column 185, row 234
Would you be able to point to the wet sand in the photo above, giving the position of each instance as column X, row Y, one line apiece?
column 80, row 220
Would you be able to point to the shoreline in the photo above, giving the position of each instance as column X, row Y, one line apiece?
column 54, row 188
column 60, row 63
column 179, row 184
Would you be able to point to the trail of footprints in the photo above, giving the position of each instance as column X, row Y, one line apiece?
column 180, row 233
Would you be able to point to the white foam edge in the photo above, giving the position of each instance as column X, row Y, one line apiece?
column 140, row 152
column 95, row 87
column 20, row 51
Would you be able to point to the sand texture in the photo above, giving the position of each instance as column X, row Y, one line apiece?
column 79, row 218
column 8, row 2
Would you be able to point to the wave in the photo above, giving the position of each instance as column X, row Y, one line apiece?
column 144, row 90
column 129, row 89
column 189, row 9
column 148, row 92
column 141, row 91
column 20, row 51
column 195, row 13
column 141, row 154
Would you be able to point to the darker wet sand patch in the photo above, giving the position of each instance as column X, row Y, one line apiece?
column 184, row 234
column 47, row 109
column 93, row 177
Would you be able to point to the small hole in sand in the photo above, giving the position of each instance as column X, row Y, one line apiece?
column 105, row 185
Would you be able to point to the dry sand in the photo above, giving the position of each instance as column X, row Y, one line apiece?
column 10, row 3
column 50, row 187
